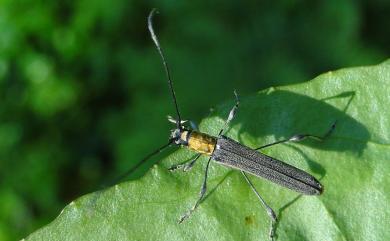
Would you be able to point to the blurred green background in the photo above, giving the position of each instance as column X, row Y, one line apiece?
column 84, row 95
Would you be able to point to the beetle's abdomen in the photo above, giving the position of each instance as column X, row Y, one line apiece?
column 201, row 142
column 231, row 153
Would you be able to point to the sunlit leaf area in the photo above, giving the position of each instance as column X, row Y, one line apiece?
column 352, row 164
column 84, row 97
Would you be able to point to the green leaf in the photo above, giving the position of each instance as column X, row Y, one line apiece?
column 353, row 164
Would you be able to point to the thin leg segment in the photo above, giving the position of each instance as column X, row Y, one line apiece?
column 186, row 166
column 201, row 194
column 271, row 214
column 232, row 113
column 300, row 137
column 194, row 126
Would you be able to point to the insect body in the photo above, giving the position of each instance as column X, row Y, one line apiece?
column 228, row 152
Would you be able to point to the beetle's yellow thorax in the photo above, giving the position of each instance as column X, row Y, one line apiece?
column 199, row 142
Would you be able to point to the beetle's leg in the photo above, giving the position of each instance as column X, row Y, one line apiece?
column 186, row 166
column 193, row 125
column 300, row 137
column 201, row 194
column 232, row 113
column 271, row 214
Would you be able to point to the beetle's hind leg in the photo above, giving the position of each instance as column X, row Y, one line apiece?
column 270, row 212
column 301, row 137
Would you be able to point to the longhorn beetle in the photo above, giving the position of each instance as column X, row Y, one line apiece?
column 228, row 152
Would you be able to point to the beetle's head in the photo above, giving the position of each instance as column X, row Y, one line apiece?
column 179, row 136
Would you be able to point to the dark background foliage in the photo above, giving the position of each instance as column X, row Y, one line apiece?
column 84, row 96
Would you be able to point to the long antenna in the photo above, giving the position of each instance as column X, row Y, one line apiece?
column 136, row 166
column 168, row 73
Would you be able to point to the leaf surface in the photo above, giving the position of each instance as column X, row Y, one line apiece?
column 353, row 164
